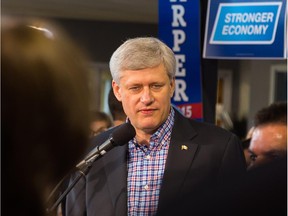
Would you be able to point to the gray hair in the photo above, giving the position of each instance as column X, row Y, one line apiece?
column 140, row 53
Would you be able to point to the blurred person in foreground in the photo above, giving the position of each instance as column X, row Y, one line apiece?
column 171, row 158
column 269, row 137
column 116, row 109
column 45, row 111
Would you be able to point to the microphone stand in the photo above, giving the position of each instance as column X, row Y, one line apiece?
column 83, row 171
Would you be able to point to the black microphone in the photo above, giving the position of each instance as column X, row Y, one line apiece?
column 119, row 137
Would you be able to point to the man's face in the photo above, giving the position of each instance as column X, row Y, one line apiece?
column 145, row 95
column 268, row 143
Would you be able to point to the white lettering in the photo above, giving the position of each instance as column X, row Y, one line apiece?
column 180, row 70
column 265, row 27
column 187, row 110
column 225, row 29
column 238, row 17
column 180, row 87
column 270, row 17
column 178, row 13
column 257, row 17
column 179, row 38
column 244, row 29
column 227, row 18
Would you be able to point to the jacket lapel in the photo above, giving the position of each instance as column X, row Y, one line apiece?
column 180, row 156
column 116, row 171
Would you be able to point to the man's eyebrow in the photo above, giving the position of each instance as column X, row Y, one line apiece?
column 275, row 152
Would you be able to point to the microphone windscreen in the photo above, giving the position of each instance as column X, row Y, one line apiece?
column 123, row 134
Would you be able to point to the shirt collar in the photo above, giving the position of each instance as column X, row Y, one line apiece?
column 162, row 133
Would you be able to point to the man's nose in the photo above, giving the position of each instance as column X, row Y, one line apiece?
column 147, row 96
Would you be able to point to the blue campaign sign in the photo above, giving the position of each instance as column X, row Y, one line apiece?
column 241, row 29
column 179, row 28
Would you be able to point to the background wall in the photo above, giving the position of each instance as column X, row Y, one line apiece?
column 251, row 88
column 102, row 38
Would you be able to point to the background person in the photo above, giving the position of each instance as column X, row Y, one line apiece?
column 100, row 121
column 45, row 116
column 171, row 159
column 269, row 137
column 246, row 144
column 116, row 109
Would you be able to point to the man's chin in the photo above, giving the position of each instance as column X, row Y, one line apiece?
column 150, row 128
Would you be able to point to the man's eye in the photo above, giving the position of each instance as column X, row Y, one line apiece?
column 275, row 156
column 134, row 88
column 156, row 86
column 253, row 157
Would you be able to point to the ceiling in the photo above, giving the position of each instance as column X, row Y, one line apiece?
column 143, row 11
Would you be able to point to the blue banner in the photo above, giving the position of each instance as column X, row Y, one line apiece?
column 241, row 29
column 179, row 28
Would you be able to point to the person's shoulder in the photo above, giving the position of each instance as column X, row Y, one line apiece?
column 209, row 126
column 213, row 130
column 199, row 125
column 203, row 129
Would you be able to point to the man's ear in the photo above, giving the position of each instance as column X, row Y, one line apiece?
column 172, row 87
column 116, row 90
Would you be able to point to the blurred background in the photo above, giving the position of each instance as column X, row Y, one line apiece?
column 99, row 27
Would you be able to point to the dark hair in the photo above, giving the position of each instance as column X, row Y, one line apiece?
column 100, row 116
column 274, row 113
column 246, row 143
column 115, row 107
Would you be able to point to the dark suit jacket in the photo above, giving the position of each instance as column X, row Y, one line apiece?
column 214, row 157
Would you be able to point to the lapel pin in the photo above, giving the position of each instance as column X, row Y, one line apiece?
column 184, row 147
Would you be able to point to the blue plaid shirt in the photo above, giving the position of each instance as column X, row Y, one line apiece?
column 145, row 170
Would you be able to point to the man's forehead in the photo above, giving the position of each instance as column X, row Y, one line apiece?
column 270, row 129
column 272, row 136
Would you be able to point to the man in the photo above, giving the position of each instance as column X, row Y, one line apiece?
column 269, row 138
column 171, row 159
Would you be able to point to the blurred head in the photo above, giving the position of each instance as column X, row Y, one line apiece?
column 143, row 71
column 45, row 118
column 269, row 138
column 100, row 121
column 116, row 109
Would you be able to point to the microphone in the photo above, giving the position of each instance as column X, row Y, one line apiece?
column 119, row 137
